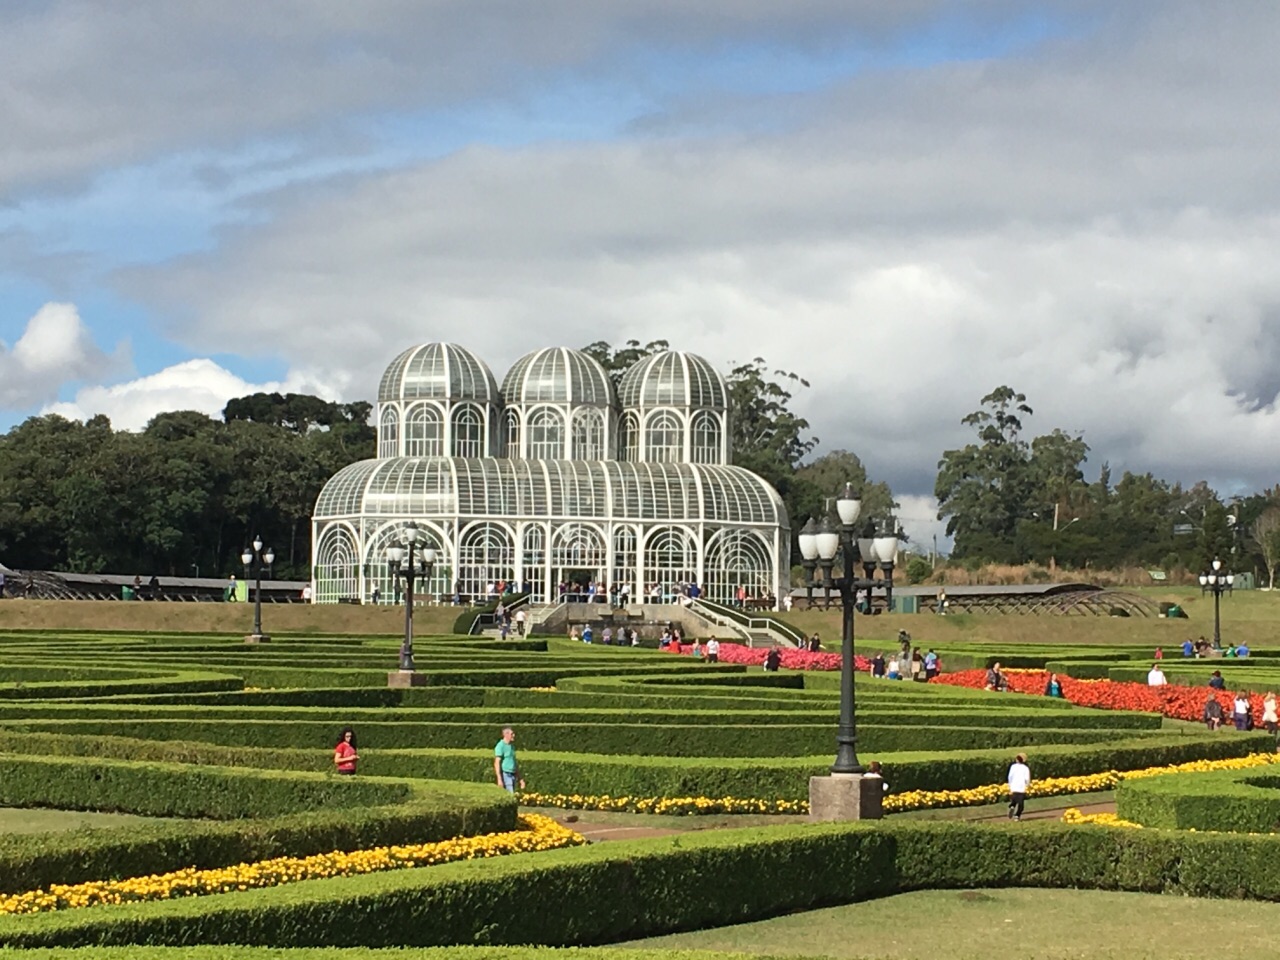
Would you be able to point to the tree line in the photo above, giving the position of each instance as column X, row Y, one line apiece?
column 184, row 495
column 1010, row 499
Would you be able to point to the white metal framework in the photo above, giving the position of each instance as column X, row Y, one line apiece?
column 556, row 479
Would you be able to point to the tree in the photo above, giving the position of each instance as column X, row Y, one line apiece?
column 619, row 361
column 985, row 488
column 1265, row 532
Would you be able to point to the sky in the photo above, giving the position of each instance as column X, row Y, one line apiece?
column 906, row 203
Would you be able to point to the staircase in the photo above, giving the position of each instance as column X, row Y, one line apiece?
column 757, row 631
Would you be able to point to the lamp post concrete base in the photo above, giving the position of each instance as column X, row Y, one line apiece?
column 257, row 638
column 406, row 678
column 846, row 796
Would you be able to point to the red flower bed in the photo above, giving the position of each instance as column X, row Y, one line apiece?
column 792, row 658
column 1178, row 702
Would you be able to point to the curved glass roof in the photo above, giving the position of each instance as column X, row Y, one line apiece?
column 438, row 371
column 558, row 375
column 673, row 378
column 557, row 489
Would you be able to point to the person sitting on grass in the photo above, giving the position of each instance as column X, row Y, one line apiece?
column 773, row 659
column 1216, row 681
column 1242, row 650
column 894, row 672
column 877, row 665
column 1212, row 713
column 1188, row 648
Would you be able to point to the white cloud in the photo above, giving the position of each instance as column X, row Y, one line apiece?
column 55, row 349
column 200, row 385
column 1095, row 226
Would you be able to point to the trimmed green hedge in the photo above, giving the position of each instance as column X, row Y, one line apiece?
column 292, row 813
column 685, row 735
column 650, row 776
column 620, row 891
column 187, row 681
column 1239, row 801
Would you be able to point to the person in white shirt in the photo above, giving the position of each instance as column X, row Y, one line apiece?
column 1156, row 677
column 1019, row 784
column 520, row 621
column 713, row 650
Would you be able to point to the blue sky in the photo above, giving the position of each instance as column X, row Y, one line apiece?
column 244, row 197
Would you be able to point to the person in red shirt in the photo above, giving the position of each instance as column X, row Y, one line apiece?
column 344, row 754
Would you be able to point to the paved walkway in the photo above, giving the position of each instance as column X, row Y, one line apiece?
column 597, row 831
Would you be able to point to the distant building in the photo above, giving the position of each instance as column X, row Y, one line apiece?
column 554, row 478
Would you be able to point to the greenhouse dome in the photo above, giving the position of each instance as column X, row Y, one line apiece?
column 675, row 409
column 558, row 506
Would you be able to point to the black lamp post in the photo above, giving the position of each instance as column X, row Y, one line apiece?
column 406, row 563
column 1218, row 581
column 254, row 560
column 819, row 544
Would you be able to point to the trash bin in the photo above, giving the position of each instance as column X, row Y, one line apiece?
column 126, row 593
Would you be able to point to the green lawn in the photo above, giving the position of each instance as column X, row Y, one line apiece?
column 15, row 820
column 1030, row 924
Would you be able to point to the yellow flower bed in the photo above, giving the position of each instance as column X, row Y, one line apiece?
column 894, row 802
column 1101, row 819
column 537, row 833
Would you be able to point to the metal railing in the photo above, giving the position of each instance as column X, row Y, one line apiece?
column 743, row 619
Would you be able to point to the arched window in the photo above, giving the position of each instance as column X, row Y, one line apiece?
column 533, row 561
column 422, row 432
column 588, row 434
column 486, row 556
column 630, row 446
column 706, row 438
column 468, row 433
column 546, row 435
column 739, row 559
column 337, row 566
column 389, row 433
column 664, row 438
column 511, row 435
column 670, row 562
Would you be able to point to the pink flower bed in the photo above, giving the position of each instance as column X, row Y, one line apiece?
column 792, row 659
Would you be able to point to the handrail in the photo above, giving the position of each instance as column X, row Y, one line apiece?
column 487, row 618
column 768, row 624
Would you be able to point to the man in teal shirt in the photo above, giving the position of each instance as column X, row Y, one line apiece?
column 506, row 769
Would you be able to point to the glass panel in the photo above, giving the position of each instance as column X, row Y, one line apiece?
column 664, row 438
column 468, row 432
column 706, row 438
column 670, row 563
column 588, row 434
column 337, row 565
column 422, row 431
column 546, row 434
column 739, row 562
column 389, row 434
column 486, row 559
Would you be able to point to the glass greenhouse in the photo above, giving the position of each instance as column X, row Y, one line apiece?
column 554, row 479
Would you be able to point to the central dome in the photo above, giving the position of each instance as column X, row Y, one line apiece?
column 558, row 375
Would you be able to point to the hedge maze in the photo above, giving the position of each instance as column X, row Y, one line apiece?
column 229, row 747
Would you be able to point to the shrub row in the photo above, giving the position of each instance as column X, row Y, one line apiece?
column 168, row 790
column 1242, row 801
column 651, row 776
column 189, row 681
column 690, row 713
column 619, row 891
column 683, row 736
column 418, row 812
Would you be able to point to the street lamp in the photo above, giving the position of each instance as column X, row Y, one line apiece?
column 819, row 544
column 1218, row 581
column 254, row 559
column 405, row 562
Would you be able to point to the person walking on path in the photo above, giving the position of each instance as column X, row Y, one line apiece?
column 520, row 615
column 1212, row 713
column 344, row 754
column 1019, row 784
column 506, row 768
column 1269, row 717
column 1240, row 713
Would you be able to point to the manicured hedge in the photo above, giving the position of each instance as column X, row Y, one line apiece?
column 687, row 735
column 329, row 813
column 651, row 776
column 187, row 681
column 619, row 891
column 1241, row 801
